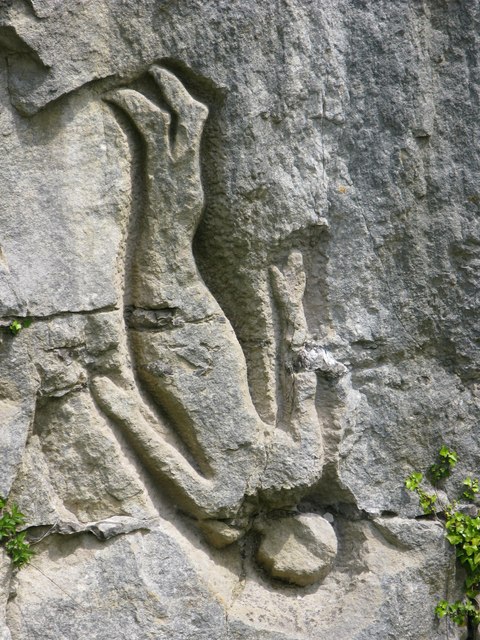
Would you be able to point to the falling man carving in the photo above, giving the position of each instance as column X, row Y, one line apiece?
column 188, row 371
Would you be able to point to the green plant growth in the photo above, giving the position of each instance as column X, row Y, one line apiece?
column 463, row 533
column 11, row 538
column 444, row 467
column 16, row 325
column 427, row 500
column 472, row 488
column 458, row 612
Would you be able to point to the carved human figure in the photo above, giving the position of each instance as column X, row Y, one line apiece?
column 184, row 352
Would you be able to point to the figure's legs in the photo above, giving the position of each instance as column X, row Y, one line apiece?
column 186, row 355
column 184, row 350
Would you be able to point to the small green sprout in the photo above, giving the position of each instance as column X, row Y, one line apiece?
column 413, row 481
column 16, row 326
column 472, row 488
column 11, row 538
column 427, row 500
column 442, row 469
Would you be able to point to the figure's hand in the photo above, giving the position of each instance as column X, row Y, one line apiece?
column 172, row 152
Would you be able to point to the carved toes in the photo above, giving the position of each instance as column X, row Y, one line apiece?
column 152, row 122
column 191, row 113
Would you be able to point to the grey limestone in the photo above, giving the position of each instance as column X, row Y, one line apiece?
column 247, row 237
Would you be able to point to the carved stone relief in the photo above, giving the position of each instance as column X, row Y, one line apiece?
column 245, row 235
column 174, row 379
column 188, row 360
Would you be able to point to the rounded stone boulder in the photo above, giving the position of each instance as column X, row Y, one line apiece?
column 299, row 549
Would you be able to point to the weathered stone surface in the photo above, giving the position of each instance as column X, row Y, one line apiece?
column 158, row 584
column 247, row 236
column 135, row 587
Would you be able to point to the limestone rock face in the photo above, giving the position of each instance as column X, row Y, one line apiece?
column 245, row 236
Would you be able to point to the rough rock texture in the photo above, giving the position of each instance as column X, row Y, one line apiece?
column 247, row 236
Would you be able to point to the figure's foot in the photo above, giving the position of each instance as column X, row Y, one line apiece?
column 163, row 270
column 155, row 124
column 299, row 549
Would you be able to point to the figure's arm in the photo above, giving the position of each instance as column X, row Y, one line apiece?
column 296, row 456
